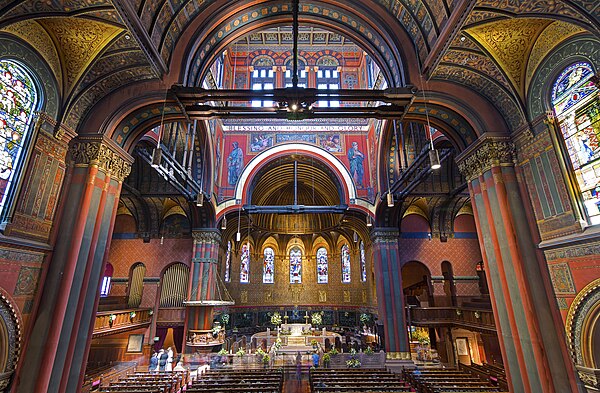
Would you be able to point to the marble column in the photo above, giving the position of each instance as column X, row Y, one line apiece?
column 202, row 287
column 529, row 337
column 56, row 354
column 390, row 295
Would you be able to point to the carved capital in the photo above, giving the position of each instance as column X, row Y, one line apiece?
column 207, row 236
column 97, row 151
column 385, row 235
column 485, row 154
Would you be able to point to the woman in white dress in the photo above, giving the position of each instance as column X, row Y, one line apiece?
column 169, row 366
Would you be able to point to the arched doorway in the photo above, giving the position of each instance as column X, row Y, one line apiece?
column 416, row 282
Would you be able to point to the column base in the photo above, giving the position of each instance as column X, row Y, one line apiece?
column 397, row 361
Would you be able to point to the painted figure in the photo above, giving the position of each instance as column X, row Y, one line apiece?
column 235, row 162
column 356, row 158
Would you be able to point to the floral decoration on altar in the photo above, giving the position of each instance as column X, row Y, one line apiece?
column 316, row 318
column 276, row 319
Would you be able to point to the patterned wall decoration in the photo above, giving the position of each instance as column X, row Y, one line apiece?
column 509, row 42
column 27, row 281
column 205, row 49
column 138, row 121
column 502, row 99
column 562, row 280
column 477, row 61
column 548, row 7
column 573, row 252
column 463, row 130
column 538, row 100
column 10, row 48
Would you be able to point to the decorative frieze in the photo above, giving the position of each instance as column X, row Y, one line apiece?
column 99, row 152
column 209, row 236
column 385, row 235
column 487, row 152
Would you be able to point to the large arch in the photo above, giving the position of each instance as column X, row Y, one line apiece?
column 251, row 169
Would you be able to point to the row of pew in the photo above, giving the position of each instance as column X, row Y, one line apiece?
column 238, row 381
column 491, row 372
column 356, row 380
column 447, row 381
column 149, row 382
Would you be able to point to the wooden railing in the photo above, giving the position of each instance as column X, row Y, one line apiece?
column 171, row 315
column 436, row 316
column 116, row 321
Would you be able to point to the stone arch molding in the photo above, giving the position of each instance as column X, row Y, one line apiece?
column 11, row 335
column 255, row 164
column 577, row 324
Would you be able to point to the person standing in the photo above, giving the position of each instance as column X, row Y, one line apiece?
column 169, row 365
column 153, row 362
column 298, row 367
column 162, row 360
column 235, row 162
column 356, row 157
column 315, row 359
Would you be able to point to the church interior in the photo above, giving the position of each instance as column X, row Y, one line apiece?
column 292, row 196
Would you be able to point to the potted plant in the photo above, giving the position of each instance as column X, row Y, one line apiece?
column 314, row 343
column 266, row 359
column 240, row 352
column 353, row 363
column 333, row 351
column 222, row 352
column 369, row 350
column 316, row 318
column 326, row 360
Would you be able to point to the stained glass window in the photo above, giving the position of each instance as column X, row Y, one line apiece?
column 345, row 263
column 322, row 268
column 295, row 265
column 228, row 262
column 363, row 263
column 18, row 100
column 245, row 264
column 268, row 266
column 577, row 106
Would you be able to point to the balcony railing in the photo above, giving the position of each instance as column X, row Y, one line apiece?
column 171, row 316
column 116, row 321
column 443, row 316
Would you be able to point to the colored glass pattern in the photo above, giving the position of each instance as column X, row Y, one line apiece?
column 228, row 263
column 245, row 264
column 363, row 263
column 295, row 265
column 322, row 266
column 268, row 266
column 345, row 263
column 18, row 100
column 577, row 106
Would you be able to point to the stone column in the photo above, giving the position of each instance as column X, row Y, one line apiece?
column 56, row 355
column 202, row 285
column 390, row 296
column 530, row 340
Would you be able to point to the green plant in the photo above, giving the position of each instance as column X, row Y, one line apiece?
column 225, row 319
column 313, row 342
column 333, row 351
column 421, row 336
column 326, row 358
column 369, row 351
column 276, row 319
column 364, row 318
column 266, row 359
column 222, row 352
column 353, row 363
column 316, row 318
column 352, row 351
column 240, row 352
column 260, row 352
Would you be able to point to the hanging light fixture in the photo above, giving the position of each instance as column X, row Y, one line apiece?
column 157, row 153
column 369, row 221
column 355, row 237
column 224, row 223
column 238, row 235
column 200, row 199
column 434, row 157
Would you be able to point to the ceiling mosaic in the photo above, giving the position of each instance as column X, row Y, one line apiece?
column 494, row 47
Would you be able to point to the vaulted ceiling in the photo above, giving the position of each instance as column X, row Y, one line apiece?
column 97, row 48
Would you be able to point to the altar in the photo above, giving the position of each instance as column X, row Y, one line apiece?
column 294, row 337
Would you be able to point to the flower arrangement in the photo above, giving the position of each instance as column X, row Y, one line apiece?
column 276, row 319
column 240, row 352
column 225, row 319
column 222, row 352
column 216, row 330
column 260, row 352
column 421, row 336
column 369, row 351
column 313, row 342
column 353, row 363
column 477, row 314
column 352, row 351
column 326, row 358
column 364, row 318
column 333, row 351
column 316, row 318
column 266, row 359
column 132, row 315
column 277, row 344
column 112, row 317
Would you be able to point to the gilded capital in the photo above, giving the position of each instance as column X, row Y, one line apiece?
column 484, row 154
column 99, row 152
column 206, row 236
column 385, row 235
